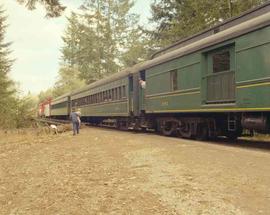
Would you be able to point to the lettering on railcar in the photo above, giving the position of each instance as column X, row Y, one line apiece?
column 164, row 103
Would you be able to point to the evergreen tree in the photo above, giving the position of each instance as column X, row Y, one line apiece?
column 68, row 81
column 177, row 19
column 26, row 109
column 71, row 39
column 7, row 90
column 44, row 95
column 138, row 49
column 100, row 40
column 53, row 7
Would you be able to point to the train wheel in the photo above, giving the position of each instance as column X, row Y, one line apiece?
column 185, row 130
column 122, row 125
column 168, row 128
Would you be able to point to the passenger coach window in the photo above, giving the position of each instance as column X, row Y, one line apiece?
column 174, row 86
column 106, row 96
column 119, row 93
column 221, row 62
column 124, row 91
column 110, row 95
column 113, row 94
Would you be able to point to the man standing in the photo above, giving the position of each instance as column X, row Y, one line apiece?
column 74, row 116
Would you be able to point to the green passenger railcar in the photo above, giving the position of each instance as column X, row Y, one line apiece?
column 233, row 75
column 103, row 99
column 220, row 82
column 60, row 107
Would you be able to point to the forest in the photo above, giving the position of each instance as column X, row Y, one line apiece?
column 103, row 38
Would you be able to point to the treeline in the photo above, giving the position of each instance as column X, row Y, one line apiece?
column 14, row 110
column 176, row 19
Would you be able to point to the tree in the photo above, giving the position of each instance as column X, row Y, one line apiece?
column 26, row 109
column 68, row 81
column 7, row 89
column 15, row 110
column 53, row 7
column 72, row 38
column 98, row 41
column 177, row 19
column 138, row 49
column 44, row 95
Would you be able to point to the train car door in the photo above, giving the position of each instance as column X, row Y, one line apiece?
column 220, row 75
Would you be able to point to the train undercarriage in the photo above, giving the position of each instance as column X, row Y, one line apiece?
column 192, row 126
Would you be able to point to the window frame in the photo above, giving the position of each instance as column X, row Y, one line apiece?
column 218, row 62
column 174, row 80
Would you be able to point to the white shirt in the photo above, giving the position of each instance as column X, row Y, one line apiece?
column 143, row 84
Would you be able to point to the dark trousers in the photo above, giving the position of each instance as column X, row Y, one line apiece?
column 75, row 126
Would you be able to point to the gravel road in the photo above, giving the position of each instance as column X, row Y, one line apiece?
column 103, row 171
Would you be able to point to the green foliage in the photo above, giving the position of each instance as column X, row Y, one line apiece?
column 26, row 109
column 44, row 95
column 68, row 81
column 138, row 49
column 15, row 111
column 7, row 90
column 177, row 19
column 102, row 39
column 53, row 7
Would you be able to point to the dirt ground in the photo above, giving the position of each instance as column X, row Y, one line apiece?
column 103, row 171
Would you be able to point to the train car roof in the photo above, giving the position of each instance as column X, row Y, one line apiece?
column 250, row 14
column 61, row 98
column 111, row 78
column 233, row 32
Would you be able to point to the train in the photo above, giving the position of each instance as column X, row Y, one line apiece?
column 214, row 83
column 44, row 108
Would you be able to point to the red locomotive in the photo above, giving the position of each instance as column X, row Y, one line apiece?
column 44, row 109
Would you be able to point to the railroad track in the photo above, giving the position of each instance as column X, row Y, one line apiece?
column 52, row 121
column 57, row 122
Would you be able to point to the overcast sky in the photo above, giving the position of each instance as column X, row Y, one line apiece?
column 37, row 41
